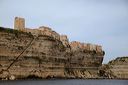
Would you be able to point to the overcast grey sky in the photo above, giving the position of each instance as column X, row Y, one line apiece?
column 103, row 22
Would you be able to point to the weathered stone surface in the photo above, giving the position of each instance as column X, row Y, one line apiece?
column 19, row 24
column 84, row 61
column 44, row 55
column 64, row 40
column 42, row 52
column 116, row 69
column 42, row 58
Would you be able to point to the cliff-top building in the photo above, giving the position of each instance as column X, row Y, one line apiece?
column 19, row 24
column 46, row 54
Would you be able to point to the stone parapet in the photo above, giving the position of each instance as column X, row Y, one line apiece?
column 43, row 30
column 85, row 46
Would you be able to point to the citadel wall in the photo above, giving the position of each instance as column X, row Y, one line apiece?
column 43, row 30
column 46, row 53
column 75, row 45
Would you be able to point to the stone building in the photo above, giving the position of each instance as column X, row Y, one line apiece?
column 19, row 24
column 64, row 40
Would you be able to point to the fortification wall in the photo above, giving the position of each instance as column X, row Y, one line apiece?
column 75, row 45
column 49, row 54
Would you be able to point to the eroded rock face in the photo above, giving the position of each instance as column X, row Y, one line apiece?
column 44, row 56
column 44, row 53
column 116, row 69
column 84, row 60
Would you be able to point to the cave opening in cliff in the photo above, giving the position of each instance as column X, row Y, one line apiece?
column 33, row 77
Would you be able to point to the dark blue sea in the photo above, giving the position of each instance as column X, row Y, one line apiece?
column 64, row 82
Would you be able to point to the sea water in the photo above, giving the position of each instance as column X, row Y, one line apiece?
column 64, row 82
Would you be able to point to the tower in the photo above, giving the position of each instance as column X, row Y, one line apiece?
column 64, row 40
column 19, row 24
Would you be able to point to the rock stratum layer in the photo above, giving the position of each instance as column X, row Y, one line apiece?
column 46, row 54
column 116, row 69
column 43, row 53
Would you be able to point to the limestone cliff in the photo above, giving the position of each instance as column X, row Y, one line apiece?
column 41, row 56
column 116, row 69
column 85, row 60
column 24, row 54
column 44, row 53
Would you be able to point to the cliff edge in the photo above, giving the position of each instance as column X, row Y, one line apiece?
column 44, row 53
